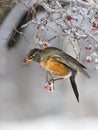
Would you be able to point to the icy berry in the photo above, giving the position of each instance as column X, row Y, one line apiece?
column 68, row 18
column 96, row 15
column 88, row 47
column 94, row 26
column 88, row 58
column 96, row 60
column 44, row 44
column 49, row 86
column 94, row 55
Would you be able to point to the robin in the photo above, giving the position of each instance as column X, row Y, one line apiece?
column 58, row 63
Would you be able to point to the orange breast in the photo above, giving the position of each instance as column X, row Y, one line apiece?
column 55, row 67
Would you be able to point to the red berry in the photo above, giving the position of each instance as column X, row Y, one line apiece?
column 94, row 25
column 96, row 15
column 88, row 58
column 88, row 47
column 49, row 86
column 44, row 44
column 68, row 18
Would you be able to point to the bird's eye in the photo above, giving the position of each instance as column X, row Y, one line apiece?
column 32, row 57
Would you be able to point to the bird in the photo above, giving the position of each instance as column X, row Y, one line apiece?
column 58, row 63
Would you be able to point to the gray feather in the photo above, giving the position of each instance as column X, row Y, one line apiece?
column 66, row 59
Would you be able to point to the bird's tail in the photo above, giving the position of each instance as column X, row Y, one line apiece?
column 74, row 87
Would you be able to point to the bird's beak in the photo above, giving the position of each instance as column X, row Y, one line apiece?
column 27, row 59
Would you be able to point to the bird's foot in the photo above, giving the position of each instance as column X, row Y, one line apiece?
column 49, row 85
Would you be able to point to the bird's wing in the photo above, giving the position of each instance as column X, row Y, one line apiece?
column 71, row 63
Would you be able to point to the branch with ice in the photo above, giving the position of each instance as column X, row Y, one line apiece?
column 74, row 20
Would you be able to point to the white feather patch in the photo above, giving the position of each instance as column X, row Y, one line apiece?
column 68, row 75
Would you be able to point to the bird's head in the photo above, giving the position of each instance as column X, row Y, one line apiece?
column 33, row 55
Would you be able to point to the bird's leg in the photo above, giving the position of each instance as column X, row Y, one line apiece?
column 51, row 77
column 49, row 85
column 53, row 80
column 57, row 79
column 48, row 76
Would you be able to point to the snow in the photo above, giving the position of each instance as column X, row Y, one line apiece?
column 52, row 123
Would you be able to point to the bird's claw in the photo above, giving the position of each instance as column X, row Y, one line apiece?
column 49, row 85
